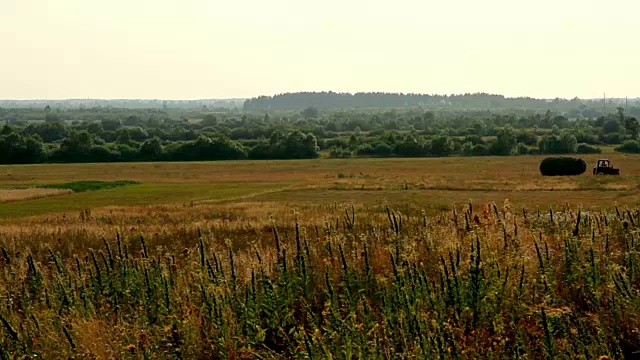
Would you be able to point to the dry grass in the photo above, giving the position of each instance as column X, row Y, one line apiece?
column 375, row 285
column 502, row 173
column 137, row 195
column 345, row 277
column 11, row 195
column 430, row 183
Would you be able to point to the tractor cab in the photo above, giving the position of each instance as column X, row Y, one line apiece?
column 603, row 167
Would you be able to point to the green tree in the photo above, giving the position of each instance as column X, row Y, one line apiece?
column 611, row 126
column 479, row 128
column 137, row 133
column 6, row 129
column 353, row 142
column 467, row 149
column 132, row 120
column 629, row 146
column 441, row 145
column 151, row 149
column 310, row 113
column 310, row 146
column 48, row 131
column 410, row 146
column 110, row 124
column 522, row 149
column 18, row 149
column 52, row 117
column 209, row 120
column 77, row 142
column 505, row 143
column 124, row 136
column 563, row 144
column 479, row 150
column 620, row 111
column 632, row 127
column 95, row 128
column 319, row 131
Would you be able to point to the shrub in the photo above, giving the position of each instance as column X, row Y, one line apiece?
column 562, row 166
column 553, row 144
column 522, row 149
column 377, row 149
column 479, row 150
column 587, row 149
column 629, row 146
column 338, row 152
column 613, row 138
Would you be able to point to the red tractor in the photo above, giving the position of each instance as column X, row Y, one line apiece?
column 604, row 167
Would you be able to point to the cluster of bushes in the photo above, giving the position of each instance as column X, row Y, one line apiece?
column 286, row 145
column 629, row 146
column 82, row 146
column 112, row 135
column 507, row 142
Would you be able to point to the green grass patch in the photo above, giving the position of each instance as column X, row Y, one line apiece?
column 82, row 186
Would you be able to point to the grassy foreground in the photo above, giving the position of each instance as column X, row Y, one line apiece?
column 304, row 259
column 477, row 282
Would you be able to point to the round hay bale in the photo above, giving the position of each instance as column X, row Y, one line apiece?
column 562, row 166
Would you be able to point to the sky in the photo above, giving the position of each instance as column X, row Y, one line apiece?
column 197, row 49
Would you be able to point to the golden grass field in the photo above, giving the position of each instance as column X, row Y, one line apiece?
column 251, row 194
column 11, row 195
column 347, row 259
column 426, row 183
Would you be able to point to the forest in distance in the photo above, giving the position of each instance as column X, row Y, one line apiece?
column 310, row 125
column 335, row 100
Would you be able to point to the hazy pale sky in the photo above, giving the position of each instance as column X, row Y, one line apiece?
column 190, row 49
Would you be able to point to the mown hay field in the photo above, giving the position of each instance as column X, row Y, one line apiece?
column 364, row 258
column 433, row 183
column 12, row 195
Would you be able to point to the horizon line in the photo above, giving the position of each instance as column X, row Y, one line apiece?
column 309, row 92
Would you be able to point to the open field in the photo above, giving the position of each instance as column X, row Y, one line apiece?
column 496, row 170
column 362, row 258
column 428, row 183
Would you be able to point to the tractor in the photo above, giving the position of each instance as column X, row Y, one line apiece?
column 603, row 167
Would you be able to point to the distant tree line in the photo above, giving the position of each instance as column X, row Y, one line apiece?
column 335, row 100
column 146, row 136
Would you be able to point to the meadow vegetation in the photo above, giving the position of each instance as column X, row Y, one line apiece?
column 328, row 258
column 490, row 281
